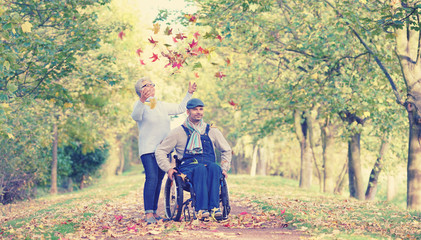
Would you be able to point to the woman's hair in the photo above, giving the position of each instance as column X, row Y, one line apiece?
column 139, row 84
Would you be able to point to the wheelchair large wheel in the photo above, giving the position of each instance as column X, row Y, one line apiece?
column 174, row 198
column 225, row 202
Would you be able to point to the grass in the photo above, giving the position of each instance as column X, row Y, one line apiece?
column 326, row 215
column 320, row 215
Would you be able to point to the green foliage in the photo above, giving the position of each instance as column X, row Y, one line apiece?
column 84, row 164
column 41, row 41
column 24, row 157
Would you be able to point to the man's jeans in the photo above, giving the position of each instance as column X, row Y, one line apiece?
column 152, row 188
column 206, row 181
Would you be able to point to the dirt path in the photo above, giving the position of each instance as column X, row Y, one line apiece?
column 243, row 223
column 123, row 219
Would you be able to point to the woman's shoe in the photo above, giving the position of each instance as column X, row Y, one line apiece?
column 150, row 220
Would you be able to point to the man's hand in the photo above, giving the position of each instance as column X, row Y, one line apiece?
column 225, row 174
column 192, row 87
column 171, row 173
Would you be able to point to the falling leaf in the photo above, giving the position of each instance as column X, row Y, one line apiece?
column 193, row 44
column 174, row 39
column 197, row 65
column 228, row 61
column 168, row 31
column 220, row 75
column 191, row 18
column 196, row 74
column 282, row 211
column 156, row 28
column 142, row 62
column 176, row 64
column 219, row 37
column 26, row 27
column 138, row 51
column 180, row 36
column 196, row 35
column 154, row 57
column 152, row 41
column 232, row 103
column 121, row 35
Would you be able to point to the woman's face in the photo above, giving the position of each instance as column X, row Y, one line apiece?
column 148, row 88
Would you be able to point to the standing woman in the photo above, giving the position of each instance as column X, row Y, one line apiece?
column 153, row 121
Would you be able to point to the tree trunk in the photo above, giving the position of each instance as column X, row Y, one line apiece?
column 262, row 162
column 254, row 161
column 53, row 189
column 120, row 156
column 328, row 144
column 311, row 123
column 375, row 172
column 82, row 183
column 391, row 188
column 414, row 169
column 408, row 48
column 341, row 179
column 354, row 168
column 69, row 184
column 306, row 170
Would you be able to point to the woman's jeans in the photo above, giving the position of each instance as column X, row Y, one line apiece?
column 152, row 188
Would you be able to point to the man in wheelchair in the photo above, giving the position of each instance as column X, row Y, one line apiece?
column 194, row 142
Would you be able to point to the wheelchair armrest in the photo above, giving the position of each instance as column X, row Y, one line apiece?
column 177, row 161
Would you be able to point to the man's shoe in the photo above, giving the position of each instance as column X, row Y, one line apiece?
column 202, row 214
column 216, row 213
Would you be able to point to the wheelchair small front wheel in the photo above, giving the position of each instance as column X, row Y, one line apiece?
column 174, row 197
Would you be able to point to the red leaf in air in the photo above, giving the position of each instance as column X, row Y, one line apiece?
column 220, row 75
column 219, row 37
column 196, row 75
column 180, row 36
column 176, row 64
column 232, row 103
column 152, row 41
column 142, row 62
column 138, row 51
column 244, row 213
column 202, row 50
column 118, row 217
column 121, row 35
column 154, row 57
column 196, row 35
column 193, row 44
column 228, row 61
column 282, row 211
column 175, row 40
column 191, row 18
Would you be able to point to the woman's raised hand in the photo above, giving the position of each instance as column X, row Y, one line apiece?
column 146, row 93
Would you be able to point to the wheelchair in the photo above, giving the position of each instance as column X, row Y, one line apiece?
column 176, row 206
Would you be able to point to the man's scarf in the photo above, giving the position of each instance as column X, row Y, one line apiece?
column 194, row 146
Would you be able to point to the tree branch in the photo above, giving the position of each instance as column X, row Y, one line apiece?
column 379, row 63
